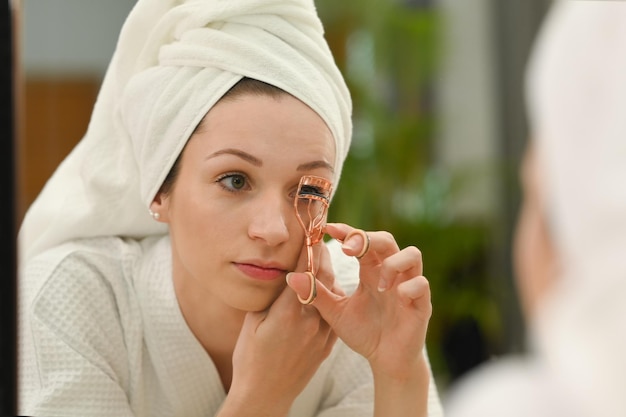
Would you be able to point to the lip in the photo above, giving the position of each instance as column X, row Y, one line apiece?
column 261, row 271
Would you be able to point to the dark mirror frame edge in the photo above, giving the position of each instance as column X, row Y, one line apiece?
column 8, row 248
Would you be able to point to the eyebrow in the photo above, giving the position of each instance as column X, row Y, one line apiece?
column 307, row 166
column 241, row 154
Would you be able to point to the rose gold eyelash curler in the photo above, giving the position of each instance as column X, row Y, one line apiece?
column 311, row 206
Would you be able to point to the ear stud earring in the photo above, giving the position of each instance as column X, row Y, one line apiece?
column 155, row 215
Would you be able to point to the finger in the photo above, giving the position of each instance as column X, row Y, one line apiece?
column 287, row 311
column 308, row 299
column 400, row 266
column 285, row 304
column 325, row 274
column 303, row 285
column 326, row 301
column 338, row 231
column 356, row 239
column 382, row 244
column 416, row 292
column 252, row 321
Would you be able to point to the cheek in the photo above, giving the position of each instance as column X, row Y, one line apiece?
column 534, row 259
column 203, row 225
column 524, row 247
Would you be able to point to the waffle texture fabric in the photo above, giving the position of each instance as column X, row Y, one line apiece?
column 101, row 334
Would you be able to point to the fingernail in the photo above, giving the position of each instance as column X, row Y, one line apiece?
column 288, row 277
column 382, row 285
column 351, row 244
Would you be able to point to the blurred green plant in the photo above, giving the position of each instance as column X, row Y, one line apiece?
column 388, row 52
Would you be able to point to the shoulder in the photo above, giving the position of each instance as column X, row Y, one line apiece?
column 79, row 264
column 80, row 324
column 89, row 250
column 80, row 283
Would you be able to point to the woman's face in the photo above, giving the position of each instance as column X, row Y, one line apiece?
column 234, row 232
column 534, row 254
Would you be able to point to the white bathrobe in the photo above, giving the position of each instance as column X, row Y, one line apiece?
column 101, row 334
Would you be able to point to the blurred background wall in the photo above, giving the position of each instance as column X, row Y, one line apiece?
column 439, row 129
column 65, row 49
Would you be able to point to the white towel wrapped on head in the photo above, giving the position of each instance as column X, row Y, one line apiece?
column 174, row 60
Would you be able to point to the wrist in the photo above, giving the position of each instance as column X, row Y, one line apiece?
column 401, row 392
column 240, row 405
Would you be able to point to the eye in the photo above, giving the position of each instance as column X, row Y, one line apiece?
column 233, row 182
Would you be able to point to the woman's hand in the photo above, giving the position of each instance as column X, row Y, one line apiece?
column 277, row 353
column 386, row 318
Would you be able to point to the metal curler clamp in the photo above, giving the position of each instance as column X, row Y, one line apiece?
column 311, row 206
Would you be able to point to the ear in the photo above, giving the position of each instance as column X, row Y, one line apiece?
column 160, row 207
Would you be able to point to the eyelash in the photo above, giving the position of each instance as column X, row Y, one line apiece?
column 231, row 175
column 230, row 189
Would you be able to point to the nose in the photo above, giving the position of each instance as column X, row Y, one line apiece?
column 270, row 220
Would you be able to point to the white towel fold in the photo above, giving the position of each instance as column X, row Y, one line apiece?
column 173, row 61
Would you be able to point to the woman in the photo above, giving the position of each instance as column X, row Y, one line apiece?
column 571, row 236
column 162, row 267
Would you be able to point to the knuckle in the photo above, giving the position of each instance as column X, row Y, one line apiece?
column 387, row 237
column 387, row 267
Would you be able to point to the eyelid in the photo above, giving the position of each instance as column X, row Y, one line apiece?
column 229, row 174
column 220, row 178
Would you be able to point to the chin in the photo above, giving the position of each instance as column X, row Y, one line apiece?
column 254, row 302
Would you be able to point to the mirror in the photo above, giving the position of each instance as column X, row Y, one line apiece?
column 7, row 214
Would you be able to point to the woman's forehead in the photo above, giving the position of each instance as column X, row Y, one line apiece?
column 261, row 122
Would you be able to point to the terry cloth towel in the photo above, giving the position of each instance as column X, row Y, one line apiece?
column 576, row 93
column 174, row 60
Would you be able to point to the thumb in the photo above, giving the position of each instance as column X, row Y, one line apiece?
column 327, row 303
column 300, row 283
